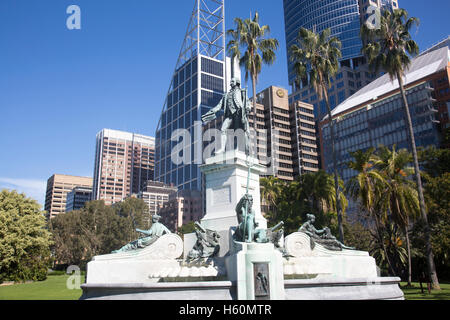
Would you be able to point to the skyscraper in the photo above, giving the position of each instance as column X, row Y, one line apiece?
column 58, row 187
column 124, row 162
column 198, row 83
column 344, row 18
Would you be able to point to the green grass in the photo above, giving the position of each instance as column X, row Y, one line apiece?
column 54, row 288
column 415, row 293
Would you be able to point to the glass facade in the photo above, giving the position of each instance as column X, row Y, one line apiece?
column 195, row 90
column 382, row 123
column 342, row 16
column 197, row 86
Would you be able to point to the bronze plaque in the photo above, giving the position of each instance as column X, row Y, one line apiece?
column 261, row 280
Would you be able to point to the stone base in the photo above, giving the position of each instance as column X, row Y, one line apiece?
column 344, row 289
column 245, row 259
column 322, row 262
column 315, row 289
column 136, row 266
column 212, row 290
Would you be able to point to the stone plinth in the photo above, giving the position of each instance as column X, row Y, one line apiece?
column 321, row 262
column 242, row 268
column 225, row 184
column 138, row 265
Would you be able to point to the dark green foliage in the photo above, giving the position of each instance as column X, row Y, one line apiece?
column 290, row 202
column 96, row 229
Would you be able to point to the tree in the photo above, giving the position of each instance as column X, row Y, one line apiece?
column 317, row 57
column 96, row 229
column 400, row 196
column 24, row 240
column 250, row 36
column 389, row 47
column 367, row 188
column 271, row 188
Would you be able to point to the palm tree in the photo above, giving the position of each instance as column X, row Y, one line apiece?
column 367, row 187
column 318, row 190
column 389, row 47
column 317, row 56
column 250, row 36
column 271, row 189
column 400, row 196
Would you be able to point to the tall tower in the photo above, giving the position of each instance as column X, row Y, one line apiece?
column 124, row 162
column 197, row 85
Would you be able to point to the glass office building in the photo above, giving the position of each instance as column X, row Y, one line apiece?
column 198, row 84
column 375, row 115
column 342, row 16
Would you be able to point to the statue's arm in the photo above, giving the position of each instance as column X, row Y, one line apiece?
column 146, row 232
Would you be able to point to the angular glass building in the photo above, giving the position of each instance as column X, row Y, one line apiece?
column 342, row 16
column 198, row 83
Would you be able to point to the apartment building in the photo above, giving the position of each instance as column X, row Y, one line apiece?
column 58, row 187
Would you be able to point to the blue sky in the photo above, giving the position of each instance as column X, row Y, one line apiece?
column 59, row 87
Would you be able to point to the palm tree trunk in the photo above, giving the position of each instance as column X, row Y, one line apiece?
column 336, row 179
column 408, row 247
column 254, row 102
column 429, row 250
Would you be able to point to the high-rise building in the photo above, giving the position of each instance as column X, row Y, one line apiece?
column 77, row 198
column 124, row 162
column 58, row 186
column 304, row 138
column 274, row 145
column 198, row 83
column 156, row 194
column 343, row 18
column 183, row 207
column 375, row 114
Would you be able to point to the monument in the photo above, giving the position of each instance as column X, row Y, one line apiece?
column 233, row 254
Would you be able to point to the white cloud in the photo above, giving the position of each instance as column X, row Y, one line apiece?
column 34, row 189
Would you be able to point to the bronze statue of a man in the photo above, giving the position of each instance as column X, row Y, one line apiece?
column 236, row 107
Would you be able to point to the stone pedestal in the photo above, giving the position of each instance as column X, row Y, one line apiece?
column 256, row 269
column 320, row 262
column 136, row 266
column 226, row 177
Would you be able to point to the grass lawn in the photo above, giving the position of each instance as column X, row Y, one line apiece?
column 415, row 293
column 54, row 288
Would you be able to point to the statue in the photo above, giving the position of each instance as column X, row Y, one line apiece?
column 207, row 245
column 323, row 236
column 245, row 231
column 236, row 108
column 157, row 230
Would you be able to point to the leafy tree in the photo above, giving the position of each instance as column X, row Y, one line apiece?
column 437, row 194
column 400, row 197
column 367, row 188
column 251, row 37
column 24, row 240
column 187, row 228
column 317, row 56
column 96, row 229
column 389, row 47
column 271, row 188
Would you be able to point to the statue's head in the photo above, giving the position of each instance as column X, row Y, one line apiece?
column 249, row 199
column 235, row 82
column 155, row 218
column 311, row 217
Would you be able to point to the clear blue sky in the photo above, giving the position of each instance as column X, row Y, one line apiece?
column 59, row 87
